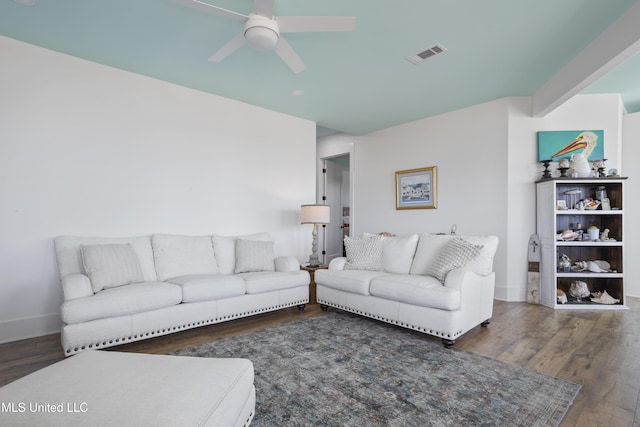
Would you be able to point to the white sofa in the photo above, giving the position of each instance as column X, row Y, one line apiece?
column 120, row 290
column 441, row 285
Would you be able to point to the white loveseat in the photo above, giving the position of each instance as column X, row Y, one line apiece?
column 440, row 285
column 119, row 290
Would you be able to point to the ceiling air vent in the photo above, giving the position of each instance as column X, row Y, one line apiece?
column 426, row 54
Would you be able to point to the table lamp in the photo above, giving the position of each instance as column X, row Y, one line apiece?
column 315, row 214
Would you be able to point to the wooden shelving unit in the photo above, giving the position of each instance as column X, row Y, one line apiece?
column 553, row 218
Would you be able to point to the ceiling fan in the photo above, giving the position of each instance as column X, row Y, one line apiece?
column 263, row 31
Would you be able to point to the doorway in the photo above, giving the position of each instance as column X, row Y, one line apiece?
column 337, row 194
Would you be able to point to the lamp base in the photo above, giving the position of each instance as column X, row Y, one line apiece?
column 313, row 259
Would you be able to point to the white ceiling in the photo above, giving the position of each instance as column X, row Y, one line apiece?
column 356, row 82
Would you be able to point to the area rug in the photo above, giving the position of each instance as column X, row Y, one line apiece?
column 339, row 369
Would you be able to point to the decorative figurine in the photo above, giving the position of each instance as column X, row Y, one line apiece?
column 598, row 166
column 563, row 167
column 605, row 236
column 564, row 265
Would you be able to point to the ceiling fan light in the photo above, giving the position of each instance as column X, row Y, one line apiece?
column 262, row 38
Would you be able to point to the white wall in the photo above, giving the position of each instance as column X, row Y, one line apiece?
column 630, row 161
column 90, row 150
column 486, row 157
column 467, row 147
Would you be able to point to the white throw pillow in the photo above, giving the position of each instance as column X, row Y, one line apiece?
column 178, row 255
column 398, row 252
column 225, row 249
column 254, row 255
column 110, row 265
column 364, row 253
column 457, row 253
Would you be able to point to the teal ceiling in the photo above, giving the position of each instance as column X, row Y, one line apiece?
column 355, row 82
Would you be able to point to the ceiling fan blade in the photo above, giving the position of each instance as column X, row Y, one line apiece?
column 284, row 50
column 234, row 44
column 263, row 7
column 214, row 10
column 305, row 24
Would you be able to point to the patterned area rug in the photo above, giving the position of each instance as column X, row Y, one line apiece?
column 339, row 369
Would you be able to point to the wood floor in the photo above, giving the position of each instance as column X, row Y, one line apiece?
column 598, row 349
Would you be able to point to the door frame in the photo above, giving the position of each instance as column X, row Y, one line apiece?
column 327, row 147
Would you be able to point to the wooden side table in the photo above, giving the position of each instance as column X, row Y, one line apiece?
column 312, row 280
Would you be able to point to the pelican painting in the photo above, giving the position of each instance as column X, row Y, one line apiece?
column 558, row 145
column 586, row 141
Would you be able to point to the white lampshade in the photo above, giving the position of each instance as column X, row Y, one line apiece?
column 315, row 214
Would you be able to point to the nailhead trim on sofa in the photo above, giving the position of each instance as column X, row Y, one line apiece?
column 394, row 322
column 166, row 331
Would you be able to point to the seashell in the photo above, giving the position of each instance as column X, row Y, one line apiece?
column 604, row 298
column 568, row 235
column 562, row 297
column 597, row 266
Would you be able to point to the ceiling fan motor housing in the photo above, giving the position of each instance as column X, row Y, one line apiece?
column 261, row 32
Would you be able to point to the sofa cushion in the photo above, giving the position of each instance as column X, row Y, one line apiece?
column 266, row 281
column 225, row 250
column 429, row 246
column 457, row 253
column 110, row 265
column 424, row 291
column 254, row 255
column 121, row 301
column 354, row 281
column 207, row 287
column 70, row 259
column 364, row 253
column 398, row 252
column 177, row 255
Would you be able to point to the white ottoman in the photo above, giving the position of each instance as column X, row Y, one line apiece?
column 109, row 388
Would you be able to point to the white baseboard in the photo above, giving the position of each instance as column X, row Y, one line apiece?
column 509, row 294
column 29, row 327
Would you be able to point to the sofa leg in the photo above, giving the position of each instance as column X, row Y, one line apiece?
column 485, row 323
column 301, row 307
column 324, row 307
column 448, row 343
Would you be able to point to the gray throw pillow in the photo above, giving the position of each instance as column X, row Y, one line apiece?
column 456, row 253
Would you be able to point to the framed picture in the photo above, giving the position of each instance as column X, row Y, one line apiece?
column 417, row 189
column 559, row 145
column 561, row 204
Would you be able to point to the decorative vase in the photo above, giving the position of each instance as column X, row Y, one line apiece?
column 581, row 165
